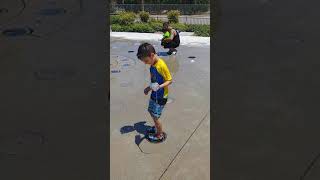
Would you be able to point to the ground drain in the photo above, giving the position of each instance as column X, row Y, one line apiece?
column 115, row 71
column 17, row 32
column 191, row 57
column 130, row 51
column 52, row 12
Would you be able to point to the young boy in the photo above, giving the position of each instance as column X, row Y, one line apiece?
column 160, row 80
column 171, row 42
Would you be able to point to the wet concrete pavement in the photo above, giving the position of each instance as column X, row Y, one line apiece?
column 133, row 157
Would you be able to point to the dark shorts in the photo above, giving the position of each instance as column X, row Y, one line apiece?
column 171, row 44
column 155, row 109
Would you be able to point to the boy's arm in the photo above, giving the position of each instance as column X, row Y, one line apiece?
column 166, row 83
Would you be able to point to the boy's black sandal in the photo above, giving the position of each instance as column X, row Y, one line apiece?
column 153, row 139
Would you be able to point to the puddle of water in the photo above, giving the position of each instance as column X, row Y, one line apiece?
column 173, row 64
column 126, row 65
column 161, row 53
column 123, row 62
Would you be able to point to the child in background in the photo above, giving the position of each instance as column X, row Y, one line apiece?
column 171, row 42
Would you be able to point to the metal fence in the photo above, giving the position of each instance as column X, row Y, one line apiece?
column 187, row 19
column 185, row 9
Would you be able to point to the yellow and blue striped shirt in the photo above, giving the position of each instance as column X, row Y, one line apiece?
column 160, row 73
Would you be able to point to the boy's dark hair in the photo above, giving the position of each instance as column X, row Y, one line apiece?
column 165, row 26
column 145, row 50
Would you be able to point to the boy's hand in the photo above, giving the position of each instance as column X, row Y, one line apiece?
column 154, row 86
column 146, row 90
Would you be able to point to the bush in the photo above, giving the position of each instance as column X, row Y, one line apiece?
column 114, row 19
column 173, row 16
column 154, row 20
column 179, row 26
column 142, row 28
column 126, row 18
column 121, row 28
column 199, row 30
column 156, row 26
column 144, row 16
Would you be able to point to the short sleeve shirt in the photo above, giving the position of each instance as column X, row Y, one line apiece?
column 160, row 73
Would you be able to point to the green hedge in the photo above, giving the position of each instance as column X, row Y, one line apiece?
column 199, row 30
column 121, row 28
column 151, row 27
column 142, row 27
column 156, row 26
column 114, row 19
column 179, row 26
column 137, row 27
column 173, row 16
column 144, row 16
column 126, row 18
column 154, row 20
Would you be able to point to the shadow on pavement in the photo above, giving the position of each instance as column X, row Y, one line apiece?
column 139, row 127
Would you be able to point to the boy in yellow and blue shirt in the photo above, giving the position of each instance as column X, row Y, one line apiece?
column 160, row 80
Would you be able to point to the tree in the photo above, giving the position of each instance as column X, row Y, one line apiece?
column 142, row 5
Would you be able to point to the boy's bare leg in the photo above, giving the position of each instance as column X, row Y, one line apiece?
column 158, row 125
